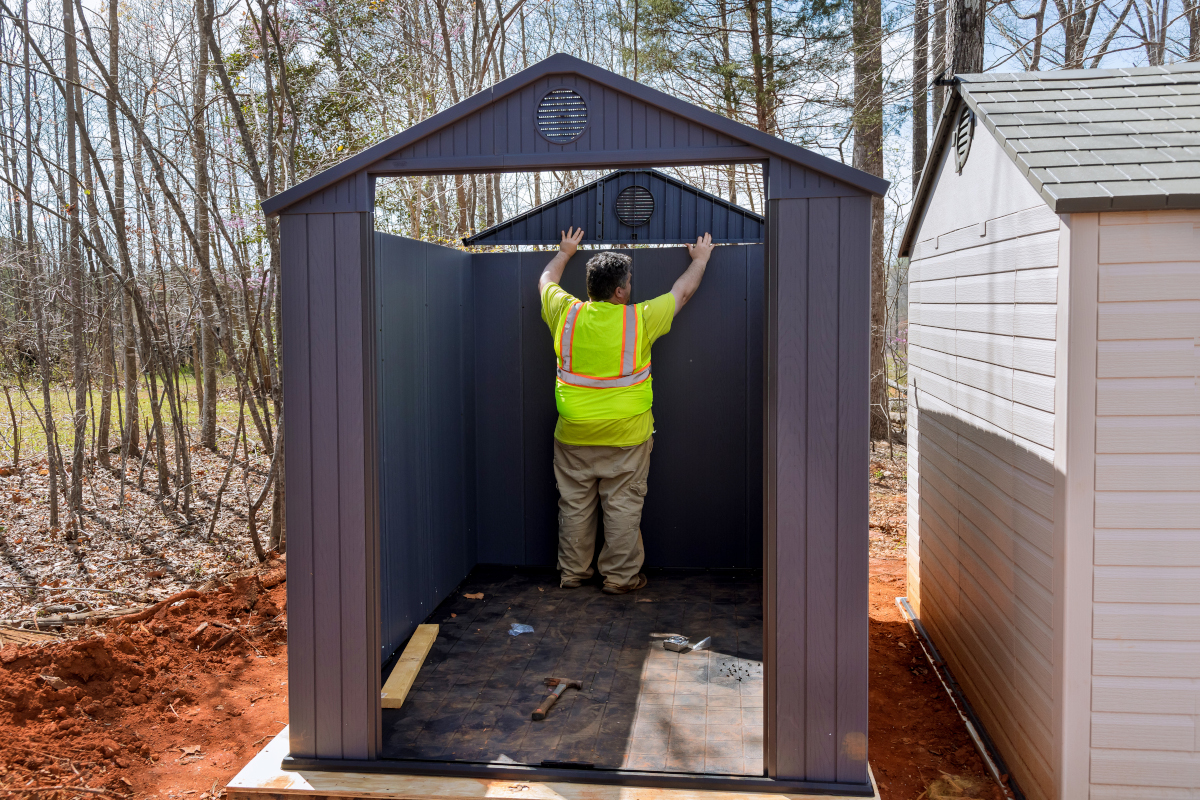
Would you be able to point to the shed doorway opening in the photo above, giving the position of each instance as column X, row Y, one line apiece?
column 468, row 507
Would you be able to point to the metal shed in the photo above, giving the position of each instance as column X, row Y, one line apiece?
column 367, row 543
column 642, row 206
column 1054, row 418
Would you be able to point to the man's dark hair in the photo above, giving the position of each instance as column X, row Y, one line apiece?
column 606, row 272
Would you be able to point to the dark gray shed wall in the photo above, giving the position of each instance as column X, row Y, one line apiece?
column 818, row 311
column 329, row 437
column 426, row 380
column 466, row 418
column 681, row 214
column 704, row 504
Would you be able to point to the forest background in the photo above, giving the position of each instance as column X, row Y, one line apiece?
column 139, row 282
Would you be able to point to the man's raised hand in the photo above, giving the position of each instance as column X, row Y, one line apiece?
column 570, row 241
column 702, row 249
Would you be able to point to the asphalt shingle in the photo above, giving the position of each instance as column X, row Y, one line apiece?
column 1098, row 139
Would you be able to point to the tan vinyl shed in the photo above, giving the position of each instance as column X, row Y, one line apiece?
column 1054, row 451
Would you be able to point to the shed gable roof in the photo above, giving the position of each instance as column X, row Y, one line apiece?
column 1098, row 140
column 493, row 131
column 1086, row 140
column 681, row 213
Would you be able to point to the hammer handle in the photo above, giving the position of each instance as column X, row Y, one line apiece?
column 540, row 713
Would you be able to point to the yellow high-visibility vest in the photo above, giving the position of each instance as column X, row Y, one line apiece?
column 599, row 375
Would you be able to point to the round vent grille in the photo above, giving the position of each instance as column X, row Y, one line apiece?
column 562, row 116
column 964, row 131
column 635, row 204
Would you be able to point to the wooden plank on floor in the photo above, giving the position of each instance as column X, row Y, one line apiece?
column 262, row 779
column 406, row 669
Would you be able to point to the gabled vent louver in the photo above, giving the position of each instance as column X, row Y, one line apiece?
column 635, row 204
column 964, row 131
column 562, row 116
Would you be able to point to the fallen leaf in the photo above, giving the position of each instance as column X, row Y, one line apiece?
column 473, row 595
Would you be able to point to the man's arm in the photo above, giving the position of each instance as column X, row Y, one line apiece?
column 689, row 281
column 566, row 248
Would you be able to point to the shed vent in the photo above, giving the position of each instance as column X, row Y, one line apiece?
column 964, row 131
column 562, row 116
column 635, row 204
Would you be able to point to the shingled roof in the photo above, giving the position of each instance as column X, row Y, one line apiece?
column 1098, row 139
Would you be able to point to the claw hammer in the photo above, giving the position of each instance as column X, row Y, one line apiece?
column 560, row 685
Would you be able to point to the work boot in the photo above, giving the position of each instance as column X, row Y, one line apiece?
column 639, row 582
column 570, row 583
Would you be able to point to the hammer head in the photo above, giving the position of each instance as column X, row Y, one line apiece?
column 571, row 684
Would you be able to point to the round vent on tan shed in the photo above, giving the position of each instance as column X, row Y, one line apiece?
column 635, row 204
column 562, row 116
column 964, row 132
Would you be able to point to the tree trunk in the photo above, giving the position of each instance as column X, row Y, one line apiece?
column 208, row 339
column 964, row 45
column 868, row 156
column 104, row 426
column 1192, row 9
column 761, row 110
column 79, row 372
column 919, row 88
column 939, row 56
column 31, row 263
column 130, row 440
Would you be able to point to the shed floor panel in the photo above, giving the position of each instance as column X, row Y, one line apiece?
column 641, row 707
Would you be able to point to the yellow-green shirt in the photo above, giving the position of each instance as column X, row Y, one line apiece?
column 629, row 431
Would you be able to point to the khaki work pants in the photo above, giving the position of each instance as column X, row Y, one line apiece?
column 612, row 477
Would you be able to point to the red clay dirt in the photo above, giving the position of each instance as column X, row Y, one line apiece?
column 915, row 736
column 172, row 705
column 157, row 708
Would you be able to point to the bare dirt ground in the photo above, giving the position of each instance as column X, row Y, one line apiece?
column 163, row 704
column 174, row 704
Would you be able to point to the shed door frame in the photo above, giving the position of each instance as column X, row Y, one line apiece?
column 816, row 367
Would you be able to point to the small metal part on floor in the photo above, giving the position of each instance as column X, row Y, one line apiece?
column 263, row 779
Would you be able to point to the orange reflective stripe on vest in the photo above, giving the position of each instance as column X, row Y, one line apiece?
column 627, row 375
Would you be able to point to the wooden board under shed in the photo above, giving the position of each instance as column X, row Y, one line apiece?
column 262, row 779
column 407, row 667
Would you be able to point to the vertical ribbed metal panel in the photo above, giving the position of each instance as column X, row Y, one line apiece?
column 681, row 214
column 498, row 397
column 704, row 382
column 818, row 329
column 426, row 427
column 331, row 519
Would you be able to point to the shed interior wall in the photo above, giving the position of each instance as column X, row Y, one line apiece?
column 467, row 413
column 1146, row 613
column 982, row 332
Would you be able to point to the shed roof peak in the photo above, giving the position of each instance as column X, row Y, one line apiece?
column 626, row 124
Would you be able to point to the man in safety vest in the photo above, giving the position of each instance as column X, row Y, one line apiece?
column 604, row 391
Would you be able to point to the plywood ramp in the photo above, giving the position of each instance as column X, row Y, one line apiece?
column 262, row 779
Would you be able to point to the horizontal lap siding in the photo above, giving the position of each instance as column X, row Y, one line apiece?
column 982, row 315
column 1146, row 621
